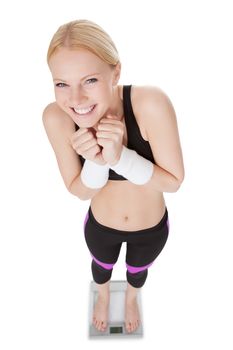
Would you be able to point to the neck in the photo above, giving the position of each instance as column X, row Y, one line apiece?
column 116, row 107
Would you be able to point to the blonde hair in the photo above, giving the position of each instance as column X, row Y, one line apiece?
column 86, row 35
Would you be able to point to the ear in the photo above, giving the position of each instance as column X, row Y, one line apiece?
column 117, row 73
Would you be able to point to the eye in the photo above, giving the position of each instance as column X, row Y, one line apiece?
column 91, row 81
column 60, row 85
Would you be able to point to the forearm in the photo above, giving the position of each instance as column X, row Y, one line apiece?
column 163, row 181
column 143, row 172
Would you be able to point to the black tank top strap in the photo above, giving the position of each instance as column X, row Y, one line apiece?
column 128, row 109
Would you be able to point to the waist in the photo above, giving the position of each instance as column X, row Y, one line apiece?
column 124, row 206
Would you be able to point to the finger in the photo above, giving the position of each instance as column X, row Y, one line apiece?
column 118, row 129
column 89, row 144
column 108, row 127
column 109, row 140
column 79, row 142
column 109, row 133
column 112, row 116
column 77, row 133
column 105, row 143
column 91, row 152
column 106, row 135
column 110, row 121
column 81, row 131
column 80, row 148
column 88, row 135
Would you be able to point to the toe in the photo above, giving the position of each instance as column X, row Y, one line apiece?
column 104, row 326
column 136, row 325
column 99, row 326
column 128, row 327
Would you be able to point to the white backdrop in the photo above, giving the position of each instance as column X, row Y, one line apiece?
column 183, row 47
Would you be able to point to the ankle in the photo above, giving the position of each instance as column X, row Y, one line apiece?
column 131, row 293
column 103, row 290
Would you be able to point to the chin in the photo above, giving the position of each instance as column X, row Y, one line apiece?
column 87, row 125
column 89, row 122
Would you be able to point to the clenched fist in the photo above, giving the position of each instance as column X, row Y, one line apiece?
column 110, row 132
column 84, row 142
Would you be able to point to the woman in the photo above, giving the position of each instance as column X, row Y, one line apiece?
column 117, row 146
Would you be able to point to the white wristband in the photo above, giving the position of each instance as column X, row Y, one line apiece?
column 134, row 167
column 94, row 175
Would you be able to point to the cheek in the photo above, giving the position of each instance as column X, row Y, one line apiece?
column 105, row 95
column 57, row 95
column 61, row 102
column 62, row 92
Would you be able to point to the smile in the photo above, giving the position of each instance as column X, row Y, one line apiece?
column 83, row 111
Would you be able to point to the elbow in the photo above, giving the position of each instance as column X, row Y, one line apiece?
column 178, row 184
column 72, row 190
column 76, row 190
column 82, row 192
column 79, row 194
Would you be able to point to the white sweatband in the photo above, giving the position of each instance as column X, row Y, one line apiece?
column 134, row 167
column 94, row 175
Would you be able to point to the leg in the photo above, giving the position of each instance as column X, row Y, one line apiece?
column 143, row 247
column 102, row 278
column 132, row 316
column 104, row 248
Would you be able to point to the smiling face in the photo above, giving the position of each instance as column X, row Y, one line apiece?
column 84, row 85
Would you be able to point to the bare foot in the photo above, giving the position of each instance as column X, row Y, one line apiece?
column 132, row 316
column 100, row 314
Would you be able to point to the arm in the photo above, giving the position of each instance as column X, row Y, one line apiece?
column 59, row 128
column 158, row 118
column 163, row 136
column 160, row 123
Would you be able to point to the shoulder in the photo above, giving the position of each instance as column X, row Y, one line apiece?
column 149, row 98
column 54, row 119
column 151, row 105
column 53, row 114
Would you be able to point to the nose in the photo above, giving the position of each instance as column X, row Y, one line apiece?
column 77, row 97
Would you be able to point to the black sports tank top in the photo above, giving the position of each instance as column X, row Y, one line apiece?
column 135, row 139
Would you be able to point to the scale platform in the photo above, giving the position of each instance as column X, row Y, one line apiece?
column 116, row 323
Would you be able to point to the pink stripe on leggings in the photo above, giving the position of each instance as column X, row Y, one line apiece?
column 133, row 269
column 104, row 265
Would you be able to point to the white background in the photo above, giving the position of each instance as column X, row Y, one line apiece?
column 183, row 47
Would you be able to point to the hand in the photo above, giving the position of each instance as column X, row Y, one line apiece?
column 85, row 143
column 110, row 132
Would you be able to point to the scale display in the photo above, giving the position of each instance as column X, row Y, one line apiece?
column 116, row 330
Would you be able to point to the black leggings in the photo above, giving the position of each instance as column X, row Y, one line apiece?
column 143, row 247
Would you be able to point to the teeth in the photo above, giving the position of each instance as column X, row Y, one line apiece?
column 83, row 110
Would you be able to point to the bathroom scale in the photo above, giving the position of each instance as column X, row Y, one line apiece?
column 116, row 323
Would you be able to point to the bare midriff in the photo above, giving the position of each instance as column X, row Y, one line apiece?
column 128, row 207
